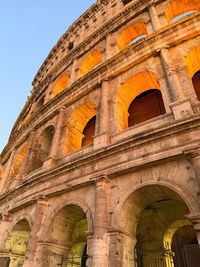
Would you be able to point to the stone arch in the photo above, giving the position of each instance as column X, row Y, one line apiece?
column 176, row 8
column 66, row 233
column 133, row 87
column 192, row 62
column 67, row 202
column 76, row 125
column 181, row 191
column 17, row 219
column 90, row 61
column 145, row 215
column 19, row 157
column 60, row 84
column 130, row 34
column 172, row 228
column 17, row 241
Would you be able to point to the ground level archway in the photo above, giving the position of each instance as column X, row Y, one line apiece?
column 16, row 245
column 146, row 217
column 66, row 243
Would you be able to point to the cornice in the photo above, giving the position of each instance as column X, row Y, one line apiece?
column 113, row 171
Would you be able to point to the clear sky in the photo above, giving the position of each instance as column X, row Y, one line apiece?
column 28, row 31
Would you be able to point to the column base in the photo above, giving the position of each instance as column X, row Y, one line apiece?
column 182, row 109
column 101, row 140
column 49, row 163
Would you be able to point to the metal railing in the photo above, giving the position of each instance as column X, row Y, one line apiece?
column 186, row 256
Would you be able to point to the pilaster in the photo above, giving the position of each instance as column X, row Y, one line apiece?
column 195, row 220
column 100, row 239
column 56, row 139
column 181, row 106
column 154, row 17
column 102, row 138
column 33, row 256
column 194, row 158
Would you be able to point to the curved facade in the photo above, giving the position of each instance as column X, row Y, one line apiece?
column 102, row 167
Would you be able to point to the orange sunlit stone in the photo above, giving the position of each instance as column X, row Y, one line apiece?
column 76, row 124
column 60, row 84
column 90, row 61
column 133, row 87
column 177, row 7
column 192, row 61
column 130, row 34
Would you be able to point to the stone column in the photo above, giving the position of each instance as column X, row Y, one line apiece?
column 4, row 228
column 100, row 242
column 56, row 139
column 186, row 81
column 33, row 254
column 72, row 78
column 194, row 159
column 121, row 249
column 102, row 138
column 195, row 220
column 181, row 107
column 108, row 46
column 154, row 17
column 8, row 169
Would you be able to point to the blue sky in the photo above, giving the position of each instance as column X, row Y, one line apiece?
column 29, row 29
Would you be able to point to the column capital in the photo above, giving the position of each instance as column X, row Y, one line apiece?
column 194, row 218
column 101, row 179
column 42, row 200
column 5, row 216
column 192, row 155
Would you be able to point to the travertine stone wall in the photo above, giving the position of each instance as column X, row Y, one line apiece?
column 102, row 194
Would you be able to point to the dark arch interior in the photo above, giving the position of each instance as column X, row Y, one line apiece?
column 89, row 132
column 42, row 148
column 196, row 83
column 146, row 106
column 125, row 2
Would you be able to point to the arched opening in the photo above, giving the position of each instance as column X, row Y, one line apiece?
column 67, row 238
column 81, row 128
column 192, row 62
column 177, row 9
column 196, row 83
column 90, row 62
column 138, row 86
column 154, row 216
column 60, row 84
column 17, row 242
column 20, row 156
column 131, row 34
column 42, row 148
column 125, row 2
column 146, row 106
column 89, row 132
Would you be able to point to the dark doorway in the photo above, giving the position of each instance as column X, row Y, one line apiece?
column 146, row 106
column 89, row 132
column 196, row 83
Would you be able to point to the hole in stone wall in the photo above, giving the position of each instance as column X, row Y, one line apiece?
column 125, row 2
column 196, row 83
column 89, row 132
column 146, row 106
column 70, row 45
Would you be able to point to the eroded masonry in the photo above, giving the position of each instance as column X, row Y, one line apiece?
column 102, row 167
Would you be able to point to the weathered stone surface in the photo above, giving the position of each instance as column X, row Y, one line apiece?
column 94, row 196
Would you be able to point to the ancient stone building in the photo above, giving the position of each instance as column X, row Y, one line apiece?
column 102, row 167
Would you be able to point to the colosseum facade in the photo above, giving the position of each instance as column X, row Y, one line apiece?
column 102, row 167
